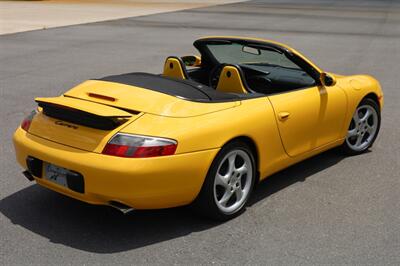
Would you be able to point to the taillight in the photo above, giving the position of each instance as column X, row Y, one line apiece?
column 134, row 146
column 26, row 123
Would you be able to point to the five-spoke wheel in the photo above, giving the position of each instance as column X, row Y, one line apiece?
column 363, row 128
column 233, row 181
column 229, row 182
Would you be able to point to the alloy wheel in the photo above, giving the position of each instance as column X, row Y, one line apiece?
column 363, row 128
column 233, row 181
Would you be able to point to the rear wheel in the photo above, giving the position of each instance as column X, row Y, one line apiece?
column 363, row 128
column 229, row 182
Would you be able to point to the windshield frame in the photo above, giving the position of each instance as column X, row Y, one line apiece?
column 209, row 61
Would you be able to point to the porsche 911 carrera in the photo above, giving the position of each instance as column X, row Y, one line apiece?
column 202, row 133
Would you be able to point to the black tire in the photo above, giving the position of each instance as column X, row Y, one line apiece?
column 348, row 149
column 205, row 203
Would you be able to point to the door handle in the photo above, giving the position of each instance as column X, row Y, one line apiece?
column 283, row 115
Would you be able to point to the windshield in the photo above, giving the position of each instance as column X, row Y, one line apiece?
column 235, row 53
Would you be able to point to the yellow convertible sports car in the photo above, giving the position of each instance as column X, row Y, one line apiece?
column 204, row 132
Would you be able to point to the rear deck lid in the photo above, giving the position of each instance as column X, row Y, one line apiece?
column 145, row 93
column 78, row 123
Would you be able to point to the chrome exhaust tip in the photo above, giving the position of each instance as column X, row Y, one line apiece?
column 121, row 207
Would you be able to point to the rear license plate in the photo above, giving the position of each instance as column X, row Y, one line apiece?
column 56, row 174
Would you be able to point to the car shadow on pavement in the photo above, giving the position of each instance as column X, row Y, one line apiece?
column 296, row 173
column 101, row 229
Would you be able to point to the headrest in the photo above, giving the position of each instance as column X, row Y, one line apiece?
column 231, row 79
column 175, row 68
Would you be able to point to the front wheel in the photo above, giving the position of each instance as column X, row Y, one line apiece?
column 363, row 128
column 229, row 182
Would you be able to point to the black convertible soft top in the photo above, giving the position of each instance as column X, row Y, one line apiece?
column 187, row 89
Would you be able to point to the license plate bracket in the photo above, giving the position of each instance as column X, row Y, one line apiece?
column 64, row 177
column 56, row 174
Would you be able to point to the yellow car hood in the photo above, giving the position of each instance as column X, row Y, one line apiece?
column 143, row 100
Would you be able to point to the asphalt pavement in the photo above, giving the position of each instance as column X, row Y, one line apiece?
column 329, row 209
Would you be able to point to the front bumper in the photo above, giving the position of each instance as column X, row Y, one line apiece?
column 142, row 183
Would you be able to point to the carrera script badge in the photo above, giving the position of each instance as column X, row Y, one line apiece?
column 62, row 123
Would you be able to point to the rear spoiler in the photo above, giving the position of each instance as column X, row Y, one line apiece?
column 83, row 112
column 85, row 106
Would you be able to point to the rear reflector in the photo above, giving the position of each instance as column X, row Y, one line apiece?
column 134, row 146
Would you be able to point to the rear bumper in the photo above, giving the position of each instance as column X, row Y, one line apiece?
column 145, row 183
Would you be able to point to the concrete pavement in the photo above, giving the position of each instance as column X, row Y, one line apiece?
column 17, row 16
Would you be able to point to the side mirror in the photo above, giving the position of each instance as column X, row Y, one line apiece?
column 191, row 60
column 327, row 80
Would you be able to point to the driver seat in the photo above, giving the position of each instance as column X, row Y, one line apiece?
column 175, row 68
column 232, row 80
